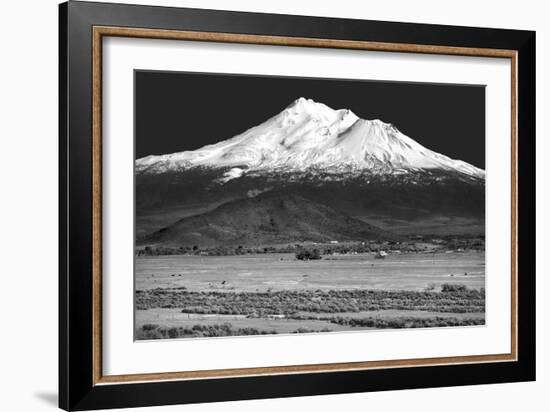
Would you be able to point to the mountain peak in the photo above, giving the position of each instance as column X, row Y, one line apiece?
column 317, row 111
column 300, row 101
column 305, row 104
column 308, row 135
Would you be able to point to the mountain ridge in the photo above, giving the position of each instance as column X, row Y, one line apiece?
column 307, row 137
column 265, row 219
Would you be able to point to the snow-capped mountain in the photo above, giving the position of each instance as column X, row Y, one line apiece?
column 364, row 169
column 307, row 137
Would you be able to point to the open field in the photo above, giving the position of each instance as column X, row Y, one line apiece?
column 175, row 318
column 169, row 319
column 206, row 296
column 263, row 272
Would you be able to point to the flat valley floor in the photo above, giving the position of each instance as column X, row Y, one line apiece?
column 187, row 296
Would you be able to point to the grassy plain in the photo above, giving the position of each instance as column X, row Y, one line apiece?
column 277, row 271
column 204, row 296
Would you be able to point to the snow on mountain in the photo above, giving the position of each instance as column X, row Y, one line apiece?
column 309, row 136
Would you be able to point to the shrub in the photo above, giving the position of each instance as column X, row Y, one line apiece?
column 306, row 254
column 173, row 333
column 453, row 298
column 148, row 331
column 450, row 287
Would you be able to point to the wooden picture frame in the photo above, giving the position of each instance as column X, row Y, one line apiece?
column 82, row 384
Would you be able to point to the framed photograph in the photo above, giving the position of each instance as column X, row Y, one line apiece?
column 257, row 205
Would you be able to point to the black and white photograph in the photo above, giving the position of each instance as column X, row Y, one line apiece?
column 281, row 205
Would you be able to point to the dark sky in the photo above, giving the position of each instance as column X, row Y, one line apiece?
column 176, row 111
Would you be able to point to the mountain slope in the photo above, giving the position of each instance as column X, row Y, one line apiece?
column 310, row 136
column 366, row 169
column 269, row 218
